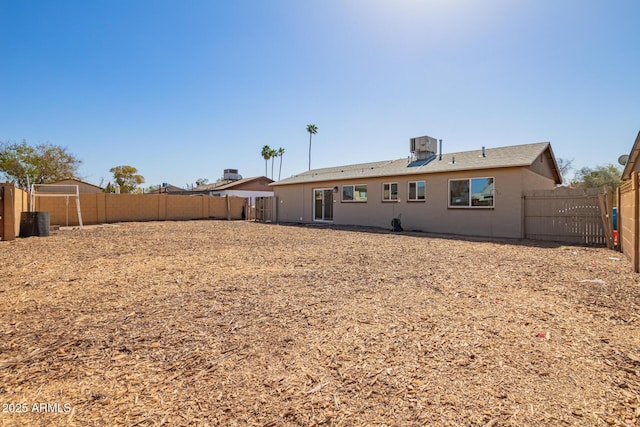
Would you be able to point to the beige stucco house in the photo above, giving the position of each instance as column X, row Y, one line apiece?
column 83, row 187
column 249, row 188
column 474, row 193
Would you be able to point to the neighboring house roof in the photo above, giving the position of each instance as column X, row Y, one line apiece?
column 632, row 163
column 168, row 189
column 233, row 184
column 502, row 157
column 72, row 181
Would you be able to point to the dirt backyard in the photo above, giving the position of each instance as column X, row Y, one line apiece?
column 246, row 324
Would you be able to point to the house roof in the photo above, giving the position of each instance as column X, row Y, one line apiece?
column 167, row 189
column 232, row 184
column 501, row 157
column 633, row 160
column 62, row 181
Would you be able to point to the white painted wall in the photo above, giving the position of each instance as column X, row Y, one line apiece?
column 243, row 193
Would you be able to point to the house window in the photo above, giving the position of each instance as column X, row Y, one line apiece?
column 354, row 193
column 417, row 191
column 390, row 192
column 473, row 192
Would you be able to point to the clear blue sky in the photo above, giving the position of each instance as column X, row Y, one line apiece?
column 183, row 89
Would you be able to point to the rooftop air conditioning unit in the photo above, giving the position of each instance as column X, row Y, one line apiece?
column 423, row 147
column 231, row 175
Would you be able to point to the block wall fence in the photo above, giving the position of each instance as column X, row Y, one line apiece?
column 102, row 208
column 629, row 220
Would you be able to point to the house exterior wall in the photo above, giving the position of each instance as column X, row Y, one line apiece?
column 542, row 166
column 292, row 200
column 254, row 185
column 432, row 215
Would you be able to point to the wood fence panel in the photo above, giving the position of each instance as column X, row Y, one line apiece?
column 565, row 215
column 629, row 220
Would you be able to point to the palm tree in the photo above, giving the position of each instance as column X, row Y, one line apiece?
column 266, row 155
column 312, row 129
column 280, row 153
column 272, row 155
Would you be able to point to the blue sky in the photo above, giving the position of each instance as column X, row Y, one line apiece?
column 183, row 89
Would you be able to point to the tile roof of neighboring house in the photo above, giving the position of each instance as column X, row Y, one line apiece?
column 633, row 159
column 228, row 185
column 502, row 157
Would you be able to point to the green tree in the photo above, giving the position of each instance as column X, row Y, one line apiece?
column 598, row 177
column 151, row 188
column 127, row 178
column 280, row 153
column 266, row 155
column 24, row 164
column 201, row 181
column 312, row 129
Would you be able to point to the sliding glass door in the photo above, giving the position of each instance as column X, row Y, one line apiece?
column 323, row 204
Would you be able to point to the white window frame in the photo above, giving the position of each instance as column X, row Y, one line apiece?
column 469, row 204
column 355, row 199
column 417, row 199
column 391, row 199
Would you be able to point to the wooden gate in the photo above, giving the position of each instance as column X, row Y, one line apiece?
column 564, row 215
column 629, row 220
column 266, row 209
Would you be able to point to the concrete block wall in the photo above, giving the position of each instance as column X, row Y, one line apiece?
column 108, row 208
column 13, row 201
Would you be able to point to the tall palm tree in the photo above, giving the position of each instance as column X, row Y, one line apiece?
column 273, row 154
column 312, row 129
column 280, row 153
column 266, row 155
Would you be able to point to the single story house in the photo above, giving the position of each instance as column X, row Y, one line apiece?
column 249, row 188
column 83, row 187
column 167, row 188
column 474, row 193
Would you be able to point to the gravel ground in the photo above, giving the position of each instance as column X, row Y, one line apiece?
column 240, row 323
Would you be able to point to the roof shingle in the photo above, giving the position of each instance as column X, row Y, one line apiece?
column 501, row 157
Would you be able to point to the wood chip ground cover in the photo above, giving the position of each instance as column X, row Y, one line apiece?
column 239, row 323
